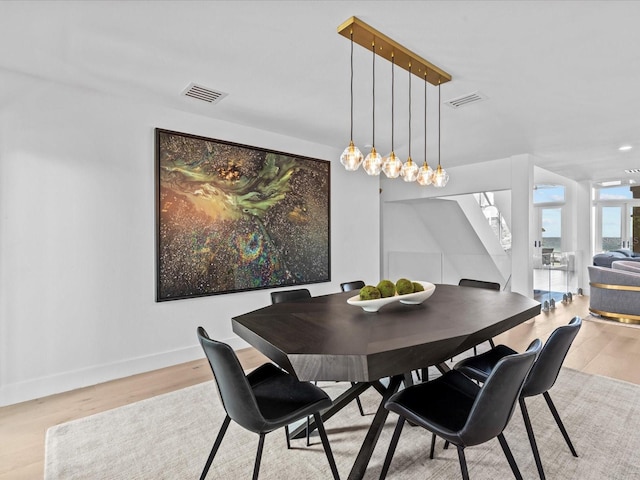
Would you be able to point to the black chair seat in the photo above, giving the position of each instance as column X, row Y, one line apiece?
column 480, row 367
column 282, row 399
column 441, row 406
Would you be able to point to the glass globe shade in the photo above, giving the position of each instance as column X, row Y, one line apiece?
column 441, row 177
column 425, row 175
column 352, row 157
column 409, row 171
column 373, row 162
column 392, row 166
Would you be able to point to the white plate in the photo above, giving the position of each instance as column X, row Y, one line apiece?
column 409, row 299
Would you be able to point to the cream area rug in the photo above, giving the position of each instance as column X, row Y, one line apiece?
column 170, row 436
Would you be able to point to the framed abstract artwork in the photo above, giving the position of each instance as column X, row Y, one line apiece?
column 232, row 218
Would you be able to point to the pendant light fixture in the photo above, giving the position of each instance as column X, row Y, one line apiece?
column 373, row 162
column 368, row 37
column 441, row 177
column 352, row 157
column 391, row 165
column 425, row 175
column 409, row 169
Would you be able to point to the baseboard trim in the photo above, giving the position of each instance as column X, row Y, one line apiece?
column 63, row 382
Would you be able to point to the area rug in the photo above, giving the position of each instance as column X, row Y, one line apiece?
column 169, row 437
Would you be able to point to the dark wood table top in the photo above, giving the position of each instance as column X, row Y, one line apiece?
column 324, row 338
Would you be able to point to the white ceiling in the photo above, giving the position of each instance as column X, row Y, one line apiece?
column 561, row 77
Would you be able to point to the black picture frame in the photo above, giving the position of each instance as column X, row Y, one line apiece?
column 232, row 217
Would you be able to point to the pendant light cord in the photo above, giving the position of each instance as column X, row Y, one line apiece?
column 351, row 138
column 425, row 117
column 373, row 109
column 409, row 110
column 438, row 123
column 393, row 63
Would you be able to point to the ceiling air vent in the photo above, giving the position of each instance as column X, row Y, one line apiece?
column 466, row 99
column 205, row 94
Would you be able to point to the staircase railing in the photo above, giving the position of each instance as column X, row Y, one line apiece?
column 495, row 218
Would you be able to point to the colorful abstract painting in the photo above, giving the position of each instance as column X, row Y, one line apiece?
column 232, row 218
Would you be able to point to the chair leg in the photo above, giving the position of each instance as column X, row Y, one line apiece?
column 256, row 467
column 216, row 445
column 392, row 448
column 433, row 445
column 358, row 402
column 446, row 445
column 509, row 455
column 325, row 444
column 554, row 412
column 308, row 433
column 532, row 438
column 286, row 434
column 463, row 463
column 493, row 345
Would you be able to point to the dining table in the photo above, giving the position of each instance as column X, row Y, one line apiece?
column 324, row 338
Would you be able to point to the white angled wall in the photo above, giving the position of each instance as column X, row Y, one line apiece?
column 445, row 233
column 77, row 237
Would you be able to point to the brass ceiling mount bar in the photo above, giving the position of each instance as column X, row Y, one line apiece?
column 366, row 36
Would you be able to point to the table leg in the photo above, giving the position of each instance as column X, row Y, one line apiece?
column 370, row 440
column 442, row 367
column 338, row 404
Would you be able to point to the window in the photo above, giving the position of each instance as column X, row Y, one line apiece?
column 614, row 206
column 615, row 193
column 548, row 194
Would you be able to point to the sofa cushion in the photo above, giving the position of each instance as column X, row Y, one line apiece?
column 626, row 265
column 627, row 252
column 607, row 258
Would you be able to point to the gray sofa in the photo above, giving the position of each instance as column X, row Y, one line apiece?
column 607, row 258
column 615, row 292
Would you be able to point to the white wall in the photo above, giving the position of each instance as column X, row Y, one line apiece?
column 514, row 174
column 443, row 245
column 77, row 236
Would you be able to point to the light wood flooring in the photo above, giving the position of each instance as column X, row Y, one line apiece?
column 604, row 349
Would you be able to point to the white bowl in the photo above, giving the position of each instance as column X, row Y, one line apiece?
column 409, row 299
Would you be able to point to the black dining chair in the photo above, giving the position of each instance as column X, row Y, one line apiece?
column 293, row 296
column 542, row 377
column 290, row 295
column 351, row 286
column 262, row 401
column 455, row 408
column 469, row 282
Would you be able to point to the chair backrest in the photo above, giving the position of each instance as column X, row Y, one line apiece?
column 235, row 392
column 547, row 367
column 290, row 295
column 496, row 401
column 467, row 282
column 350, row 286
